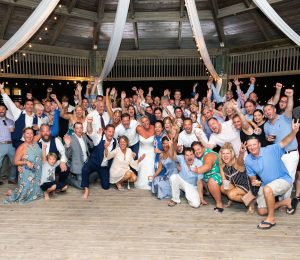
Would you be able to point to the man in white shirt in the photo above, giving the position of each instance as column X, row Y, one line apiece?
column 128, row 128
column 188, row 135
column 222, row 133
column 168, row 109
column 100, row 117
column 25, row 118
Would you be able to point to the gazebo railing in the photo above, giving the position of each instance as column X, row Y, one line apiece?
column 272, row 62
column 45, row 65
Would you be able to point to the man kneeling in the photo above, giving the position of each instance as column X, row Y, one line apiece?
column 267, row 164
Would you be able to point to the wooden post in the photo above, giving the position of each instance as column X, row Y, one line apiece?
column 222, row 60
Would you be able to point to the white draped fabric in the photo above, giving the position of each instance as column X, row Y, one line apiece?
column 200, row 42
column 267, row 9
column 28, row 29
column 115, row 41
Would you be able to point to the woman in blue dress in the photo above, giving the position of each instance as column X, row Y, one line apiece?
column 159, row 134
column 29, row 158
column 160, row 184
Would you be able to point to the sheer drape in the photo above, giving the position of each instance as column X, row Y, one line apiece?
column 28, row 29
column 200, row 42
column 115, row 41
column 267, row 9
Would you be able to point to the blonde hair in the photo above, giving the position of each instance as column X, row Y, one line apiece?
column 227, row 146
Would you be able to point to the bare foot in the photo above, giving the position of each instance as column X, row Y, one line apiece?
column 85, row 194
column 204, row 202
column 8, row 193
column 46, row 196
column 119, row 186
column 64, row 188
column 250, row 211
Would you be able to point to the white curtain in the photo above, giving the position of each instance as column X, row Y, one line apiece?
column 115, row 41
column 267, row 9
column 200, row 42
column 28, row 29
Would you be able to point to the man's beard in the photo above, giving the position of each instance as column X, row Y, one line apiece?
column 46, row 138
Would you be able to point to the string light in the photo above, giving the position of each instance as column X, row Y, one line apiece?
column 24, row 54
column 46, row 28
column 40, row 38
column 30, row 46
column 55, row 17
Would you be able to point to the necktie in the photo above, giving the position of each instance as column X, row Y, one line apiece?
column 102, row 122
column 4, row 122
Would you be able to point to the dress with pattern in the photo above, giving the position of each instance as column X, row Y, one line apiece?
column 29, row 180
column 161, row 185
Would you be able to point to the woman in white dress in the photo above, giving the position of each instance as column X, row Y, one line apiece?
column 146, row 167
column 123, row 159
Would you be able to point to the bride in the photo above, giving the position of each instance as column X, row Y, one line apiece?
column 146, row 167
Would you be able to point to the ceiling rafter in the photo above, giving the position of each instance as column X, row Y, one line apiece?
column 261, row 27
column 217, row 21
column 5, row 21
column 62, row 20
column 97, row 24
column 182, row 13
column 135, row 26
column 171, row 16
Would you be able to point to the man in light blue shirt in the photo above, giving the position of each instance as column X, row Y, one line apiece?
column 266, row 163
column 276, row 128
column 186, row 180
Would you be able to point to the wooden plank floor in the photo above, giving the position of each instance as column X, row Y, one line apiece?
column 133, row 224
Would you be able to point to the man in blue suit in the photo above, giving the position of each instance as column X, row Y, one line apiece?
column 97, row 162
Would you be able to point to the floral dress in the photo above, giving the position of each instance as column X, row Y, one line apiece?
column 29, row 180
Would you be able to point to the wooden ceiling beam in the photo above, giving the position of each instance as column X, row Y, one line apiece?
column 97, row 24
column 218, row 23
column 182, row 13
column 62, row 20
column 135, row 26
column 261, row 27
column 5, row 21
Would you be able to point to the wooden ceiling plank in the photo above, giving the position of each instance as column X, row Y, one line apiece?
column 5, row 21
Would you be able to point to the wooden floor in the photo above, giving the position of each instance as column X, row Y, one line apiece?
column 133, row 224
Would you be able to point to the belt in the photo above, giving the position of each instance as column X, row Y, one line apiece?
column 294, row 150
column 6, row 142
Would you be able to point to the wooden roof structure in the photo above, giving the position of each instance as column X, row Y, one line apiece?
column 151, row 24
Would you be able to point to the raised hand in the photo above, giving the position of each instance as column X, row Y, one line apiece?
column 209, row 82
column 79, row 87
column 252, row 80
column 278, row 86
column 236, row 82
column 134, row 88
column 150, row 89
column 44, row 146
column 53, row 96
column 107, row 91
column 67, row 140
column 289, row 92
column 89, row 120
column 49, row 90
column 123, row 95
column 28, row 96
column 229, row 84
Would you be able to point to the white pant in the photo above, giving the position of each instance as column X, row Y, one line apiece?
column 290, row 161
column 191, row 193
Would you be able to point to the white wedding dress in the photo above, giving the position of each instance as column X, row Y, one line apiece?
column 146, row 166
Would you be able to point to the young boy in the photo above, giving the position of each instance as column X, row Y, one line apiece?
column 48, row 183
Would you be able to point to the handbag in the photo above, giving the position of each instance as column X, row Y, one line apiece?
column 248, row 198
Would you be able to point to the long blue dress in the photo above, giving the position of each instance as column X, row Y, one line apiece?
column 158, row 144
column 161, row 185
column 29, row 180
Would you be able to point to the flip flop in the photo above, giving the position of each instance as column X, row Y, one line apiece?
column 268, row 225
column 218, row 210
column 292, row 210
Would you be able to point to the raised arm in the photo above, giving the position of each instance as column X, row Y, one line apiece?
column 290, row 103
column 108, row 103
column 276, row 97
column 286, row 140
column 10, row 104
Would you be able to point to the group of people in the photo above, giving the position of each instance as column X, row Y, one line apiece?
column 229, row 145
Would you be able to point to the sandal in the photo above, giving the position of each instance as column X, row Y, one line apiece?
column 218, row 210
column 172, row 203
column 267, row 224
column 292, row 210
